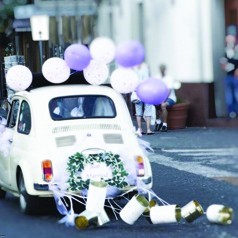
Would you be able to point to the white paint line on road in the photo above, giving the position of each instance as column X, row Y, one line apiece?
column 219, row 152
column 222, row 153
column 191, row 167
column 231, row 150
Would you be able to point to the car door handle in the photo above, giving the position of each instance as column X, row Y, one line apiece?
column 10, row 140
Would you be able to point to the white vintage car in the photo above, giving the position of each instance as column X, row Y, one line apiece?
column 48, row 125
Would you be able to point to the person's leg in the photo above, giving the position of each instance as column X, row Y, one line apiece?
column 236, row 96
column 148, row 113
column 169, row 103
column 164, row 113
column 228, row 93
column 148, row 120
column 164, row 116
column 139, row 124
column 158, row 121
column 139, row 114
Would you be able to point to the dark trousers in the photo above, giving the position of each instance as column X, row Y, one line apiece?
column 231, row 93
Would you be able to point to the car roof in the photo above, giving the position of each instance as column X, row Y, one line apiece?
column 49, row 92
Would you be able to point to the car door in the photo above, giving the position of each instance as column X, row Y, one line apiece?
column 7, row 143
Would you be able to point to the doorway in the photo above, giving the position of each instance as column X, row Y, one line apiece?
column 231, row 58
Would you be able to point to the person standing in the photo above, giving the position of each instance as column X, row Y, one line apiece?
column 229, row 64
column 141, row 108
column 161, row 124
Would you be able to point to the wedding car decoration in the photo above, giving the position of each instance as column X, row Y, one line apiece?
column 103, row 49
column 55, row 70
column 77, row 56
column 130, row 53
column 96, row 72
column 152, row 91
column 18, row 77
column 124, row 80
column 94, row 61
column 96, row 180
column 104, row 166
column 5, row 137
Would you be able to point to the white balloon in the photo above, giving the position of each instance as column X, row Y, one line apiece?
column 56, row 70
column 19, row 78
column 124, row 80
column 96, row 72
column 103, row 48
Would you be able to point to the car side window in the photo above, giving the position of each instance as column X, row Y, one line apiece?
column 24, row 122
column 13, row 114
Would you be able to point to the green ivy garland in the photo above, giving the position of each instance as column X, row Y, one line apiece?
column 77, row 162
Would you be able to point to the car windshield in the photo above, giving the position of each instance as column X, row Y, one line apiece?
column 83, row 106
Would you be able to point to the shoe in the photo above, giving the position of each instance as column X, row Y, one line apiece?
column 139, row 131
column 158, row 126
column 163, row 128
column 150, row 133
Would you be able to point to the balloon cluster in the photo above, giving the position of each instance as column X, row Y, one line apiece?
column 94, row 61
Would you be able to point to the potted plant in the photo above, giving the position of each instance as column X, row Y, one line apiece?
column 178, row 114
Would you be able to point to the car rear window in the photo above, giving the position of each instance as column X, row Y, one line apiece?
column 83, row 106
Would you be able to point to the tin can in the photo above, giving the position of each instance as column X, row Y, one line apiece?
column 165, row 214
column 134, row 209
column 97, row 192
column 220, row 214
column 191, row 211
column 86, row 219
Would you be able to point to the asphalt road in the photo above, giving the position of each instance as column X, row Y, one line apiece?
column 210, row 152
column 174, row 181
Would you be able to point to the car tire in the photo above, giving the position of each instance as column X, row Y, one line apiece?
column 28, row 204
column 2, row 194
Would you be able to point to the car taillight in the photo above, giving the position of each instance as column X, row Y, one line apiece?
column 47, row 170
column 140, row 166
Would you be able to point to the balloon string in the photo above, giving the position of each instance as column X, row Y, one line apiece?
column 74, row 72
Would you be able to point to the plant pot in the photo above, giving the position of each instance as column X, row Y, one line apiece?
column 177, row 115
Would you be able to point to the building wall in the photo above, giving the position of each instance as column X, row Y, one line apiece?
column 186, row 35
column 218, row 36
column 176, row 32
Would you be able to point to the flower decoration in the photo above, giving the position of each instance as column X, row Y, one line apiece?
column 77, row 164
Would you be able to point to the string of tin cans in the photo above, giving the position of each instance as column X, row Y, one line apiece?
column 155, row 210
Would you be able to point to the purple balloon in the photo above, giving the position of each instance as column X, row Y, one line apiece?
column 130, row 53
column 77, row 56
column 152, row 91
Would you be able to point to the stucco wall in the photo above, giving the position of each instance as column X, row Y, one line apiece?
column 175, row 32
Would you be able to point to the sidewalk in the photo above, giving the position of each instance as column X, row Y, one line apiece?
column 194, row 137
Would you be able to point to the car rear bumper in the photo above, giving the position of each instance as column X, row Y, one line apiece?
column 146, row 180
column 45, row 187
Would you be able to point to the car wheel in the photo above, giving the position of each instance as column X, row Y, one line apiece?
column 2, row 194
column 28, row 203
